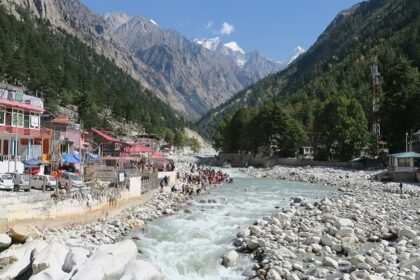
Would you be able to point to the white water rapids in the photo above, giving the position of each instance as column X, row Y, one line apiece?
column 190, row 245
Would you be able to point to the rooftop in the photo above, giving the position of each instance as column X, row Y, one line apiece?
column 405, row 155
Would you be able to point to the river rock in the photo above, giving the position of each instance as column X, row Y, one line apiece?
column 18, row 258
column 327, row 240
column 109, row 261
column 5, row 241
column 230, row 258
column 285, row 253
column 409, row 233
column 53, row 255
column 355, row 260
column 344, row 222
column 251, row 243
column 141, row 270
column 255, row 230
column 329, row 262
column 298, row 199
column 135, row 223
column 20, row 233
column 345, row 232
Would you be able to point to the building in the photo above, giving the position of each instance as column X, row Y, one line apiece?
column 150, row 140
column 415, row 144
column 66, row 135
column 404, row 166
column 21, row 134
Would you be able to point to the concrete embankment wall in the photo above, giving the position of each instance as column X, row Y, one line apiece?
column 243, row 160
column 41, row 209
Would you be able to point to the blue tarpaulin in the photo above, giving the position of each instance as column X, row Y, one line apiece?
column 32, row 162
column 92, row 157
column 71, row 158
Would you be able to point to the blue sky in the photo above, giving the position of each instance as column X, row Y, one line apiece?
column 273, row 27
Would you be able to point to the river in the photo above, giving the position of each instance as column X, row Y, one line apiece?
column 190, row 245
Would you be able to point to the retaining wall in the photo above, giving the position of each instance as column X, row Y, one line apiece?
column 37, row 206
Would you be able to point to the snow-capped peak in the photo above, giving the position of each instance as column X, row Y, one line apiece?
column 154, row 22
column 210, row 44
column 296, row 53
column 234, row 47
column 116, row 19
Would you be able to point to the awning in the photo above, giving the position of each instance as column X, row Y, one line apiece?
column 71, row 158
column 32, row 162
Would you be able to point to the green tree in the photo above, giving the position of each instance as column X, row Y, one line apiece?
column 169, row 136
column 179, row 139
column 340, row 129
column 276, row 131
column 195, row 145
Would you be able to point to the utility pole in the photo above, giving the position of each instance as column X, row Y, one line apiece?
column 376, row 125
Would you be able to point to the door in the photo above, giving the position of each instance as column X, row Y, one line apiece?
column 5, row 147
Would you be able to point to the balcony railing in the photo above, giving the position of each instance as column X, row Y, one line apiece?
column 19, row 96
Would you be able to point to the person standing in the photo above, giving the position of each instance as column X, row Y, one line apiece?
column 401, row 188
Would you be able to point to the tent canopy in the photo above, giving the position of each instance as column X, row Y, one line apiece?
column 32, row 162
column 71, row 158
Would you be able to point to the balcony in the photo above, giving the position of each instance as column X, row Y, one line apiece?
column 20, row 100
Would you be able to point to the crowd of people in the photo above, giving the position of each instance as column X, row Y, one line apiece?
column 199, row 179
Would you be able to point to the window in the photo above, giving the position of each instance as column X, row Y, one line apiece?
column 404, row 162
column 8, row 116
column 26, row 120
column 2, row 113
column 14, row 117
column 34, row 120
column 20, row 118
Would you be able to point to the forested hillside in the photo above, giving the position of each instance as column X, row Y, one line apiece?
column 68, row 72
column 338, row 64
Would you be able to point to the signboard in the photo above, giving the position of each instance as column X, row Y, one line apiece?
column 121, row 177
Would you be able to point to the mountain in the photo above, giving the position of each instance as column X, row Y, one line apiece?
column 190, row 78
column 253, row 63
column 72, row 75
column 339, row 63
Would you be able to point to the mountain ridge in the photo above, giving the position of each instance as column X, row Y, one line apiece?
column 192, row 80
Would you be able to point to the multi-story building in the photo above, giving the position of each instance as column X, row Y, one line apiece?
column 21, row 134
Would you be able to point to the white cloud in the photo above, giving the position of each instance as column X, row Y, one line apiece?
column 227, row 28
column 208, row 25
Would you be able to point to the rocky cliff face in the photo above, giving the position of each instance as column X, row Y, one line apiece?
column 187, row 76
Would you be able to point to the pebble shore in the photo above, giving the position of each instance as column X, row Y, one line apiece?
column 368, row 230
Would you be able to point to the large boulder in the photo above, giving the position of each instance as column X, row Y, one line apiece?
column 141, row 270
column 230, row 258
column 108, row 262
column 74, row 258
column 51, row 273
column 20, row 233
column 53, row 255
column 17, row 258
column 5, row 241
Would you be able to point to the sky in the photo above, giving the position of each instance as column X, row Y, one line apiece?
column 273, row 27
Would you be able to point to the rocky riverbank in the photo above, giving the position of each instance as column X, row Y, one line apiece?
column 86, row 251
column 367, row 231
